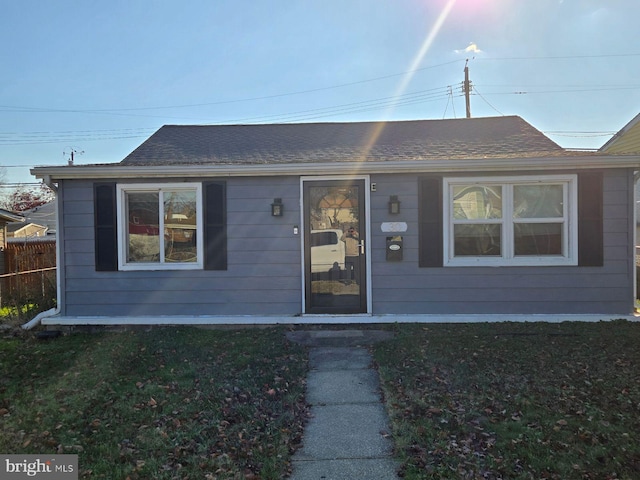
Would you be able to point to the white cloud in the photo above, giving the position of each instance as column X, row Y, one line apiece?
column 472, row 48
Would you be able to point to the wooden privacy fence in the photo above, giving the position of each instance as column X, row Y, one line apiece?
column 30, row 272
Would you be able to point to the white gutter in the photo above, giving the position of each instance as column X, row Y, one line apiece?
column 453, row 165
column 38, row 318
column 52, row 311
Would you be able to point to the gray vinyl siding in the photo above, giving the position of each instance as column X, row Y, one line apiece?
column 404, row 288
column 264, row 271
column 263, row 275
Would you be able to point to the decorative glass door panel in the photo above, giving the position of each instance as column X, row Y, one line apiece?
column 334, row 238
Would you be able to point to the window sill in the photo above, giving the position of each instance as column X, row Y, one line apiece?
column 514, row 262
column 156, row 267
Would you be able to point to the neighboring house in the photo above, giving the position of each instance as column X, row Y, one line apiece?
column 24, row 232
column 627, row 142
column 6, row 217
column 39, row 222
column 456, row 220
column 45, row 215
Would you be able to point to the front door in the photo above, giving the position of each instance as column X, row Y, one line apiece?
column 334, row 246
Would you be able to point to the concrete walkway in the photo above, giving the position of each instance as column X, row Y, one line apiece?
column 347, row 434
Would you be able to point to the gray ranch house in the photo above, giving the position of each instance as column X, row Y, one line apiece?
column 427, row 221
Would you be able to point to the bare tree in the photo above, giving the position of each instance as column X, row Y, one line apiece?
column 26, row 197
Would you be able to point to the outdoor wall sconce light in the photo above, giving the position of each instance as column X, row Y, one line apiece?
column 277, row 207
column 394, row 204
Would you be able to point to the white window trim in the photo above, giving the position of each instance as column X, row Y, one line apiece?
column 121, row 189
column 570, row 227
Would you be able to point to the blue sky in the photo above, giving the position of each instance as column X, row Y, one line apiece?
column 100, row 77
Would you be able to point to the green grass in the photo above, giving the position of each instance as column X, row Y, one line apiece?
column 166, row 403
column 467, row 401
column 516, row 401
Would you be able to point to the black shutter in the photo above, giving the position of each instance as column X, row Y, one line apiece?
column 430, row 222
column 215, row 226
column 590, row 212
column 106, row 245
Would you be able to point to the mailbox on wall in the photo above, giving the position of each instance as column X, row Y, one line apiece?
column 394, row 249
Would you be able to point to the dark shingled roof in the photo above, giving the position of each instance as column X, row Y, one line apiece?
column 494, row 137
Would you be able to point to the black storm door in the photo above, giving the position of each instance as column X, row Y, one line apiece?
column 334, row 247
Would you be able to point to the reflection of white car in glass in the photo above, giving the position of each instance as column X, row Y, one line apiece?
column 327, row 250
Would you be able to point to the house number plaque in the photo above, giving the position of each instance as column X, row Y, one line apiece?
column 394, row 226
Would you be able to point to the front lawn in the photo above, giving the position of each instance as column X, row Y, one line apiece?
column 515, row 401
column 170, row 403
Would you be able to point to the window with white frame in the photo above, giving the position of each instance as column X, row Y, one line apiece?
column 510, row 221
column 160, row 226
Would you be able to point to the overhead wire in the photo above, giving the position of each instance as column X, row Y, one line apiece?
column 73, row 136
column 476, row 92
column 354, row 107
column 222, row 102
column 31, row 138
column 576, row 134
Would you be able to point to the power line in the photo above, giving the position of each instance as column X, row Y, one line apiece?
column 14, row 185
column 11, row 108
column 120, row 111
column 563, row 57
column 80, row 132
column 475, row 89
column 15, row 166
column 71, row 136
column 59, row 140
column 400, row 100
column 578, row 134
column 565, row 89
column 32, row 138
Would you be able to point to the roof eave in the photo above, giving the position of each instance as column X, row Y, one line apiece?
column 6, row 216
column 413, row 166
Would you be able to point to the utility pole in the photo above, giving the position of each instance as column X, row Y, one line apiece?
column 467, row 88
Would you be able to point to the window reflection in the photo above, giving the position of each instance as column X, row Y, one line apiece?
column 538, row 238
column 477, row 240
column 472, row 204
column 537, row 201
column 180, row 226
column 334, row 239
column 144, row 227
column 173, row 213
column 477, row 202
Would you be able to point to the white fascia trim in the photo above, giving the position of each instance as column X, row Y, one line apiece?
column 330, row 319
column 336, row 168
